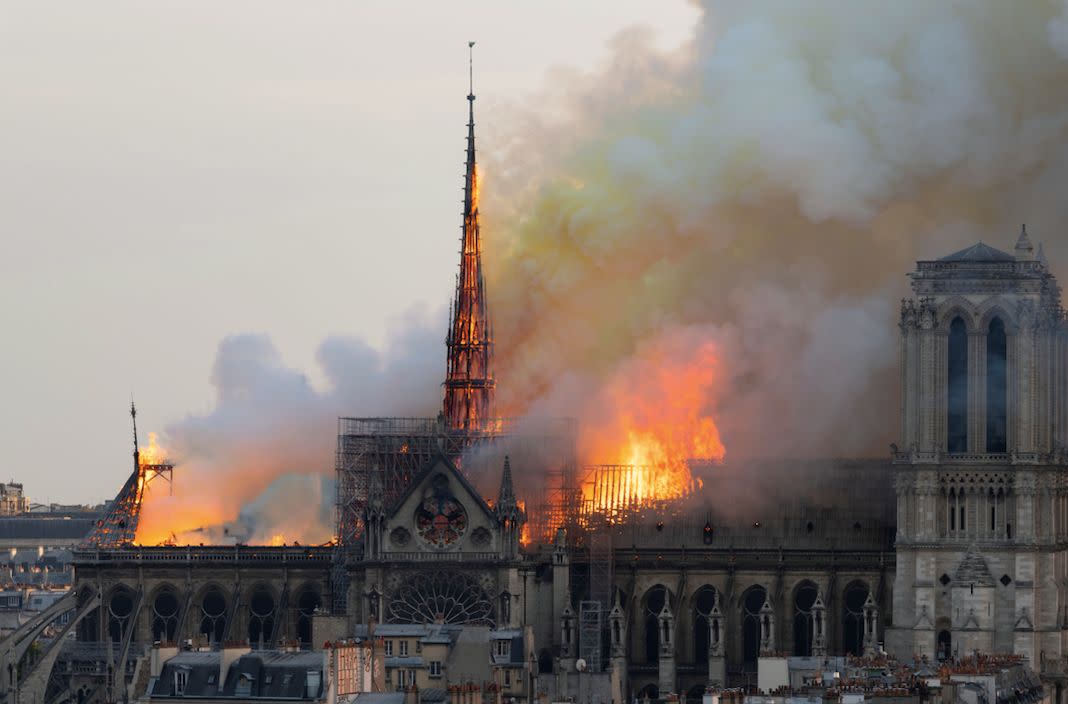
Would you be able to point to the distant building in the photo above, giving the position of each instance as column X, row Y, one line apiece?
column 12, row 500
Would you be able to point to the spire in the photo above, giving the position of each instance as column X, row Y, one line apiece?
column 1024, row 248
column 469, row 382
column 507, row 493
column 137, row 451
column 1040, row 255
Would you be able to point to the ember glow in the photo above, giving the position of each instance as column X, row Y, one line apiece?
column 660, row 423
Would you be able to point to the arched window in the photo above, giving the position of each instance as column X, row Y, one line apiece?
column 655, row 599
column 804, row 627
column 957, row 402
column 213, row 614
column 853, row 618
column 260, row 618
column 165, row 615
column 704, row 600
column 308, row 602
column 752, row 603
column 997, row 387
column 120, row 607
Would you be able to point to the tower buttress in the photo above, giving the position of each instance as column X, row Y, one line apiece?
column 469, row 382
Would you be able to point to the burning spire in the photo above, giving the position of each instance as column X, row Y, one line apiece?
column 118, row 527
column 469, row 382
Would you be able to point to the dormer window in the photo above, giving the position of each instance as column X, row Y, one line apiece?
column 502, row 648
column 181, row 679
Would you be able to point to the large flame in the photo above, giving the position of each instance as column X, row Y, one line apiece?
column 659, row 422
column 153, row 454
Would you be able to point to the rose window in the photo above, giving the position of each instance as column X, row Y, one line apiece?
column 440, row 597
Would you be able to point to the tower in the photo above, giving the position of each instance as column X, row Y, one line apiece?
column 982, row 501
column 469, row 382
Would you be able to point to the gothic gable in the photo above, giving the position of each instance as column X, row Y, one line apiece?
column 440, row 513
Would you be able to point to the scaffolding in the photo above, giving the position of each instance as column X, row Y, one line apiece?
column 601, row 563
column 378, row 458
column 118, row 527
column 590, row 634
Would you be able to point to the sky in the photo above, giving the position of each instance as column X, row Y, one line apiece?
column 178, row 172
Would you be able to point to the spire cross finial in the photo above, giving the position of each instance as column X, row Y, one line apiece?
column 471, row 70
column 133, row 417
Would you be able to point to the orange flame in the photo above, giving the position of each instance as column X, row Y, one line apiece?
column 153, row 454
column 476, row 177
column 660, row 423
column 524, row 532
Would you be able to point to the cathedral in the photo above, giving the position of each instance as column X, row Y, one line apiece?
column 954, row 543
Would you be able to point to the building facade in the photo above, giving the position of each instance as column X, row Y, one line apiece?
column 981, row 476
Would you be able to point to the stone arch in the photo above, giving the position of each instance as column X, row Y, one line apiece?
column 164, row 609
column 995, row 308
column 803, row 598
column 749, row 607
column 854, row 594
column 957, row 307
column 262, row 613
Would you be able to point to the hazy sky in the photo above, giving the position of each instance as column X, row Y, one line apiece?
column 176, row 172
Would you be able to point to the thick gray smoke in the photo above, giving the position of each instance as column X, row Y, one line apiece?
column 764, row 189
column 260, row 466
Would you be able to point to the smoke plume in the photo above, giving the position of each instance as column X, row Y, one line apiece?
column 741, row 210
column 764, row 189
column 260, row 466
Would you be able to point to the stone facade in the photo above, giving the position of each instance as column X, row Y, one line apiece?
column 981, row 477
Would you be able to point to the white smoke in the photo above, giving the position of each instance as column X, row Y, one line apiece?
column 769, row 184
column 263, row 458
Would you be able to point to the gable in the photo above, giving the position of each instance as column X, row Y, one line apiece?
column 440, row 512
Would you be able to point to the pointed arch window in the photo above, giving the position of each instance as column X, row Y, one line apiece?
column 957, row 401
column 655, row 599
column 804, row 620
column 704, row 601
column 997, row 387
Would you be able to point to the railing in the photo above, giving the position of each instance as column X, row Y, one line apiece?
column 440, row 556
column 400, row 426
column 207, row 553
column 966, row 458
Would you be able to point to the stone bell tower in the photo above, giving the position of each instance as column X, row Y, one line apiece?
column 981, row 473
